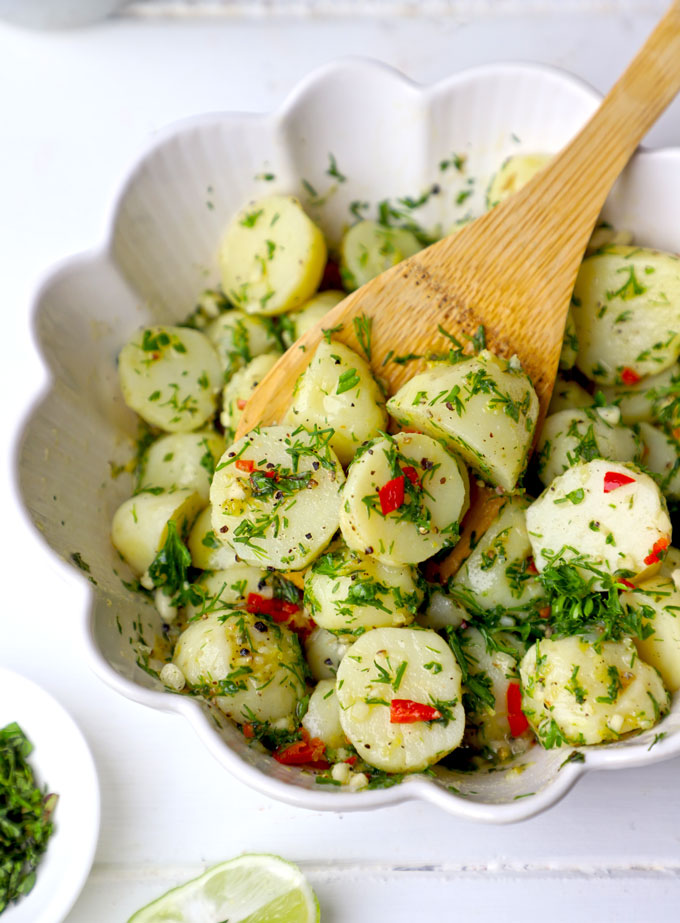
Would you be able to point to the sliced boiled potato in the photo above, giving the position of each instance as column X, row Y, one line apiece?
column 626, row 306
column 442, row 611
column 584, row 512
column 424, row 492
column 488, row 726
column 569, row 343
column 338, row 390
column 484, row 408
column 409, row 664
column 182, row 460
column 170, row 376
column 647, row 400
column 369, row 248
column 658, row 601
column 272, row 256
column 207, row 551
column 275, row 497
column 312, row 311
column 576, row 693
column 604, row 235
column 239, row 388
column 322, row 718
column 500, row 570
column 140, row 524
column 324, row 651
column 572, row 436
column 662, row 458
column 239, row 337
column 348, row 592
column 222, row 590
column 568, row 395
column 251, row 667
column 514, row 173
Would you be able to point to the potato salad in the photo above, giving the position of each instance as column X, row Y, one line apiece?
column 296, row 570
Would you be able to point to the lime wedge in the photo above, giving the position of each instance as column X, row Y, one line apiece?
column 250, row 889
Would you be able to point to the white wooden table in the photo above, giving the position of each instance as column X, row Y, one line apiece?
column 74, row 109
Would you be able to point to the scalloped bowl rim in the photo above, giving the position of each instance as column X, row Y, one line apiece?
column 416, row 787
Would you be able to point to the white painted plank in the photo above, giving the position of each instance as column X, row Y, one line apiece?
column 389, row 897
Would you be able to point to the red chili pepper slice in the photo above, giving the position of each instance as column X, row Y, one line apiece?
column 531, row 567
column 248, row 731
column 351, row 760
column 629, row 376
column 411, row 474
column 306, row 752
column 627, row 583
column 516, row 717
column 269, row 473
column 241, row 403
column 406, row 711
column 676, row 433
column 391, row 495
column 544, row 613
column 614, row 479
column 278, row 609
column 657, row 549
column 331, row 276
column 244, row 464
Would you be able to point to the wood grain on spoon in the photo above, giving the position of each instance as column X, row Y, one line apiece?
column 512, row 270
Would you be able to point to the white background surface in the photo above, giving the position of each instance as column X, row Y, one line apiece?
column 75, row 107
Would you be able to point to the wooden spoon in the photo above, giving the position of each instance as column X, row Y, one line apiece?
column 512, row 270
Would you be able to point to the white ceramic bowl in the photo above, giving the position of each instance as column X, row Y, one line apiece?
column 61, row 760
column 388, row 137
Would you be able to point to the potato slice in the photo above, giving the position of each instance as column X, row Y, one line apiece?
column 658, row 601
column 322, row 718
column 583, row 512
column 646, row 400
column 568, row 395
column 207, row 551
column 369, row 248
column 662, row 458
column 239, row 388
column 272, row 256
column 500, row 572
column 140, row 524
column 348, row 592
column 338, row 390
column 324, row 651
column 514, row 172
column 314, row 310
column 223, row 590
column 484, row 409
column 405, row 664
column 250, row 666
column 433, row 486
column 576, row 693
column 571, row 436
column 239, row 337
column 488, row 725
column 182, row 460
column 626, row 306
column 170, row 376
column 275, row 497
column 569, row 343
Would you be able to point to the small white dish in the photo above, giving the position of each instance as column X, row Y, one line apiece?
column 62, row 761
column 389, row 138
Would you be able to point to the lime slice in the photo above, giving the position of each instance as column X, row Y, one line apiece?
column 249, row 889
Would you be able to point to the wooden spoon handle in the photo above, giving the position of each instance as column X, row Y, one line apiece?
column 575, row 185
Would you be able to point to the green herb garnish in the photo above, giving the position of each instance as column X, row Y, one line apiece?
column 25, row 817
